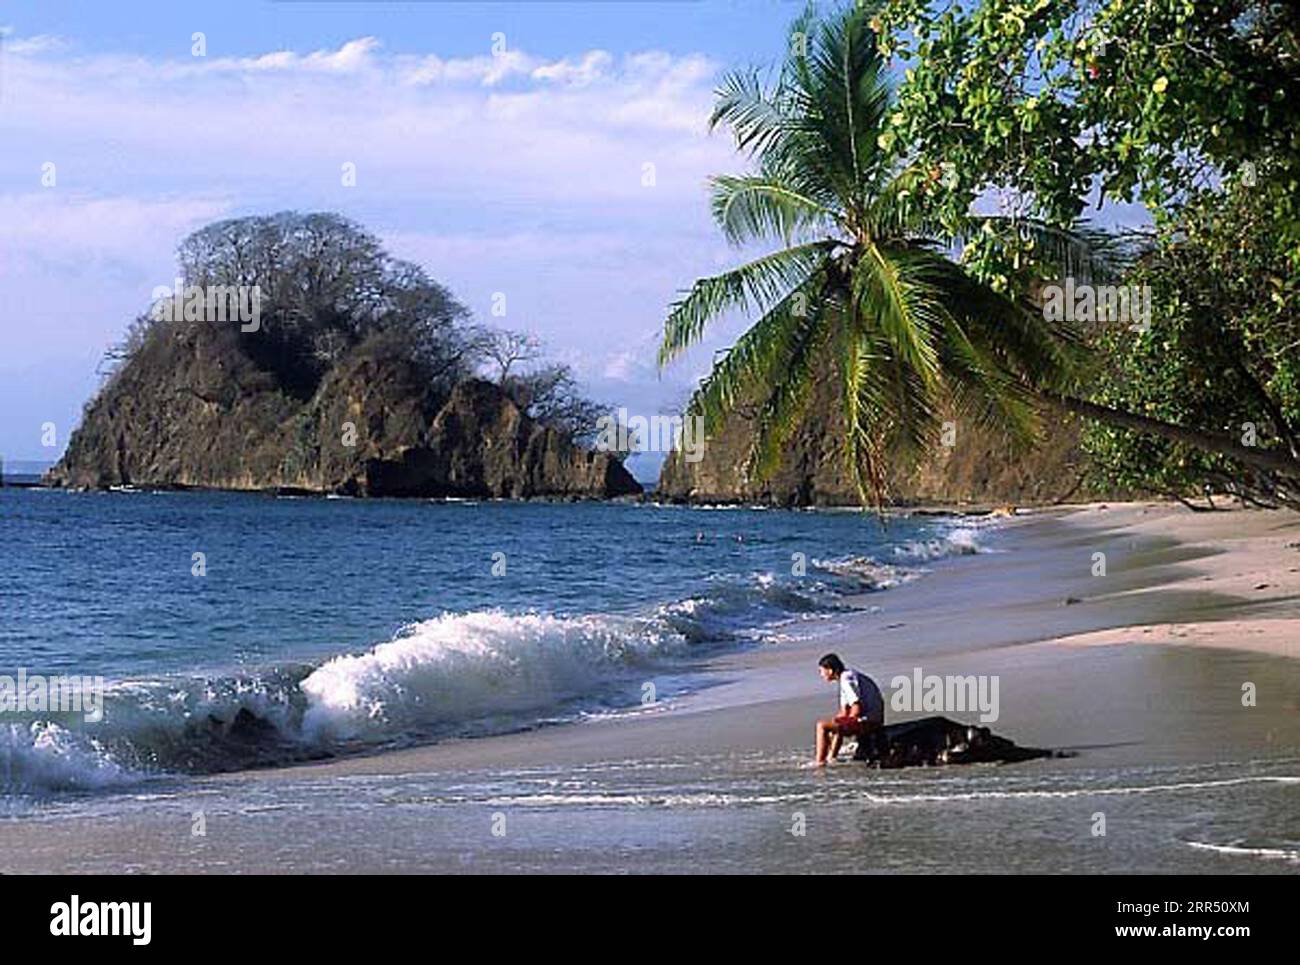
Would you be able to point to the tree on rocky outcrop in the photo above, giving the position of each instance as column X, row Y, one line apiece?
column 505, row 350
column 548, row 392
column 328, row 291
column 355, row 374
column 326, row 287
column 551, row 395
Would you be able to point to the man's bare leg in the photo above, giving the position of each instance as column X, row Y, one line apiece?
column 836, row 739
column 824, row 730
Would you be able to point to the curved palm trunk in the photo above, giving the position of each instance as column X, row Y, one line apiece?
column 1270, row 460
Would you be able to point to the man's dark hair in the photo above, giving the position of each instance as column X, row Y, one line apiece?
column 832, row 662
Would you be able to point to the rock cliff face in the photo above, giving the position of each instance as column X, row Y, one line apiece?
column 191, row 410
column 979, row 469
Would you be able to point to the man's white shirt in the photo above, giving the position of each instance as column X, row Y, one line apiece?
column 856, row 687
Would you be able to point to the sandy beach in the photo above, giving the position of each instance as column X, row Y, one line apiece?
column 1139, row 674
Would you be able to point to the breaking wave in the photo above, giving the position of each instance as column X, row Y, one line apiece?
column 959, row 541
column 459, row 674
column 904, row 566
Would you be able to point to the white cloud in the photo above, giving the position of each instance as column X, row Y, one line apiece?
column 353, row 57
column 578, row 128
column 78, row 227
column 594, row 65
column 27, row 46
column 625, row 367
column 75, row 270
column 485, row 70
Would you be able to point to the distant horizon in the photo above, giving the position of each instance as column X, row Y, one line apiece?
column 24, row 467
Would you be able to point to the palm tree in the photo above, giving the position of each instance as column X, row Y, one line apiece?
column 862, row 284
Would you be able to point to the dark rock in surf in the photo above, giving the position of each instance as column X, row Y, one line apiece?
column 247, row 726
column 933, row 741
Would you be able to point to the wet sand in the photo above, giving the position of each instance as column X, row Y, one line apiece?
column 1139, row 673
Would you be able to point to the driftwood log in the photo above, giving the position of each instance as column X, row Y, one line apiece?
column 938, row 740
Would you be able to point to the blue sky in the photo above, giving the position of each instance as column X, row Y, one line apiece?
column 732, row 29
column 520, row 170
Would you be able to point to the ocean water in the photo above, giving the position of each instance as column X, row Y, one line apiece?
column 239, row 630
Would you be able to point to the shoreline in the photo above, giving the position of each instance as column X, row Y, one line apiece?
column 647, row 496
column 1059, row 638
column 764, row 675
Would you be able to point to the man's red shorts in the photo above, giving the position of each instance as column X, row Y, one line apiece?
column 848, row 726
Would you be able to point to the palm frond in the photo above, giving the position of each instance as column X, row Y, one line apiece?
column 979, row 390
column 1013, row 335
column 756, row 357
column 753, row 286
column 752, row 112
column 843, row 96
column 1085, row 253
column 754, row 207
column 792, row 386
column 895, row 210
column 893, row 291
column 864, row 409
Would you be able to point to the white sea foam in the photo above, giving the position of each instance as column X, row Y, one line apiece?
column 469, row 673
column 1291, row 855
column 1084, row 792
column 475, row 665
column 868, row 571
column 907, row 558
column 961, row 540
column 43, row 756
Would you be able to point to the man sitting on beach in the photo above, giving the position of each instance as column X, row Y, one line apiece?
column 862, row 708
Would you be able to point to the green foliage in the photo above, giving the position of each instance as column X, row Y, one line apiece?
column 1047, row 101
column 1223, row 352
column 1191, row 108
